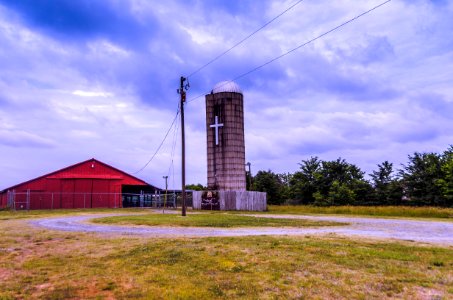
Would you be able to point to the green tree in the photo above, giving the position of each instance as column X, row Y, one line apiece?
column 421, row 179
column 303, row 183
column 383, row 176
column 347, row 176
column 446, row 182
column 321, row 200
column 195, row 187
column 363, row 191
column 285, row 179
column 329, row 183
column 269, row 182
column 341, row 194
column 387, row 188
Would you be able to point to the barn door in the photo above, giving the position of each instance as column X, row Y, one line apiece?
column 67, row 193
column 82, row 195
column 101, row 194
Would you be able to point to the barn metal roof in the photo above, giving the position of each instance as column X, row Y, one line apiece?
column 58, row 175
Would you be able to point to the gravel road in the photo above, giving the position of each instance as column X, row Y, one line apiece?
column 434, row 232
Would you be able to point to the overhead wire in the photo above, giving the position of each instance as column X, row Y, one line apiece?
column 207, row 64
column 298, row 47
column 162, row 142
column 173, row 149
column 312, row 40
column 244, row 39
column 258, row 67
column 171, row 168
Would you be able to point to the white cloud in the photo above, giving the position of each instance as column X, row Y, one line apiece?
column 20, row 138
column 91, row 94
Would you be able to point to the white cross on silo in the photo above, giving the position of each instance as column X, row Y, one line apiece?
column 216, row 126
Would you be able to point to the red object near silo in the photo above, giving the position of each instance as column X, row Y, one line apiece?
column 89, row 184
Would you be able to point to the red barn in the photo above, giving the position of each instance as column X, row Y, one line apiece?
column 88, row 184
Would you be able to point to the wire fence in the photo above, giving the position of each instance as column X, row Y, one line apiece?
column 30, row 200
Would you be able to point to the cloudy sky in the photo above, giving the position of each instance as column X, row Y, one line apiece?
column 82, row 79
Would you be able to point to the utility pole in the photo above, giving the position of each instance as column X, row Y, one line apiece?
column 182, row 92
column 166, row 192
column 248, row 164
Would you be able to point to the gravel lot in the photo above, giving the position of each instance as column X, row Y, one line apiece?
column 433, row 232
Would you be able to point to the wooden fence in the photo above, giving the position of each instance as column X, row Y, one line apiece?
column 236, row 200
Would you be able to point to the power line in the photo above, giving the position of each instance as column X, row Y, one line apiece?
column 244, row 39
column 173, row 148
column 311, row 41
column 160, row 146
column 171, row 168
column 300, row 46
column 262, row 65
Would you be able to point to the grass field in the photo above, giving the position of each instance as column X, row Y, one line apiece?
column 210, row 220
column 378, row 211
column 36, row 263
column 381, row 211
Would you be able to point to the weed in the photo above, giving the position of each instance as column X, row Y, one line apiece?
column 110, row 286
column 63, row 292
column 438, row 263
column 216, row 290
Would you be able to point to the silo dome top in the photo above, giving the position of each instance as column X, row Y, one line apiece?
column 226, row 86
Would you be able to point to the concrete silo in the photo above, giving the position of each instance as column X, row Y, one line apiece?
column 225, row 137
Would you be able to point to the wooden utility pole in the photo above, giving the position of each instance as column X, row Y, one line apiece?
column 166, row 192
column 248, row 164
column 182, row 93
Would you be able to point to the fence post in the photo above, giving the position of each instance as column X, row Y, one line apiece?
column 28, row 199
column 12, row 199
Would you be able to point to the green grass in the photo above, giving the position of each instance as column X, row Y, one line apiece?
column 36, row 263
column 381, row 211
column 209, row 220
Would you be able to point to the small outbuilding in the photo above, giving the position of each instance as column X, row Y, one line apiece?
column 89, row 184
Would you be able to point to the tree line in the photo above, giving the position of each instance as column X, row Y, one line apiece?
column 426, row 179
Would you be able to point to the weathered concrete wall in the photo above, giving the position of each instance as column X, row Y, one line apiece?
column 236, row 200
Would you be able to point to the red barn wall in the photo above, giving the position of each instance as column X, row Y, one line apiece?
column 3, row 200
column 89, row 184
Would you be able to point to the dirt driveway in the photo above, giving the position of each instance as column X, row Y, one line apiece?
column 434, row 232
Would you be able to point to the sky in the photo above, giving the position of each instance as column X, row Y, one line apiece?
column 83, row 79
